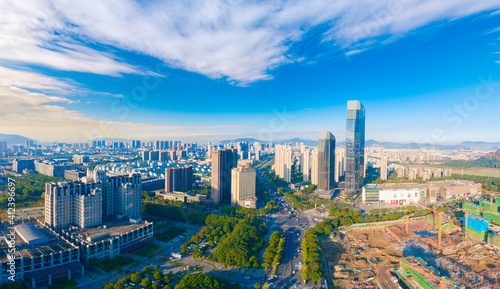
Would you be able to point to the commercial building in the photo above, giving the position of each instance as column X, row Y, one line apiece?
column 179, row 179
column 243, row 180
column 383, row 168
column 223, row 161
column 326, row 161
column 355, row 146
column 19, row 166
column 187, row 197
column 412, row 193
column 110, row 240
column 283, row 162
column 41, row 254
column 51, row 169
column 3, row 146
column 80, row 159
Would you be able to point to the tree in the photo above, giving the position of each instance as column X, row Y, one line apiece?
column 135, row 278
column 119, row 285
column 157, row 267
column 156, row 286
column 108, row 285
column 147, row 269
column 158, row 275
column 196, row 248
column 167, row 287
column 146, row 282
column 256, row 285
column 167, row 279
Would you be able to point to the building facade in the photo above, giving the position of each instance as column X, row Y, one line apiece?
column 326, row 161
column 355, row 146
column 283, row 162
column 223, row 161
column 243, row 180
column 179, row 179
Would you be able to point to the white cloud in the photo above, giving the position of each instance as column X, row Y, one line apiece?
column 240, row 41
column 44, row 117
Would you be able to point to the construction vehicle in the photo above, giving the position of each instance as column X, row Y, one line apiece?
column 439, row 216
column 443, row 281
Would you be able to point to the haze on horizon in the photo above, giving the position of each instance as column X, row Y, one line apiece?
column 426, row 72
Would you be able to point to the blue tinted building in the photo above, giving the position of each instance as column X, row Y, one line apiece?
column 355, row 146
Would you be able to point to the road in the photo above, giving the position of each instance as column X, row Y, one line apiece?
column 293, row 224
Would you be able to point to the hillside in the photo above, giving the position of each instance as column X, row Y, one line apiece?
column 490, row 160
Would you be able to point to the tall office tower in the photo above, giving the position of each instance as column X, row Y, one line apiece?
column 3, row 146
column 243, row 180
column 314, row 167
column 339, row 163
column 29, row 143
column 164, row 156
column 306, row 164
column 355, row 146
column 223, row 161
column 326, row 161
column 179, row 179
column 283, row 162
column 383, row 168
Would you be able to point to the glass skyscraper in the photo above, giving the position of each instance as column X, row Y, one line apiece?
column 355, row 146
column 326, row 161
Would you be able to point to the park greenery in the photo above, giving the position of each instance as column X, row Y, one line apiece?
column 169, row 234
column 157, row 281
column 238, row 239
column 30, row 189
column 272, row 255
column 187, row 215
column 204, row 281
column 109, row 265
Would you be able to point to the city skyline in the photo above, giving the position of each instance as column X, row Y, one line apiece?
column 272, row 73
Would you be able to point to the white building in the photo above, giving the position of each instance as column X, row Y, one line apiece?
column 306, row 164
column 314, row 167
column 243, row 180
column 283, row 162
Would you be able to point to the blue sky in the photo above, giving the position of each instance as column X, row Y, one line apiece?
column 208, row 70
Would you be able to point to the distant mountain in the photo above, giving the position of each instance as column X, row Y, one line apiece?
column 480, row 144
column 14, row 139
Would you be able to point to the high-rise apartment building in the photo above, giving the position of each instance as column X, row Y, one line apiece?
column 179, row 179
column 283, row 162
column 243, row 180
column 326, row 161
column 223, row 161
column 383, row 168
column 84, row 204
column 306, row 164
column 355, row 146
column 339, row 163
column 314, row 167
column 3, row 146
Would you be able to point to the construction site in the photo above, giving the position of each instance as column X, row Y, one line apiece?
column 434, row 251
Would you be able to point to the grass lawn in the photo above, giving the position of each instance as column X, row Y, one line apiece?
column 163, row 225
column 117, row 263
column 63, row 284
column 149, row 251
column 169, row 234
